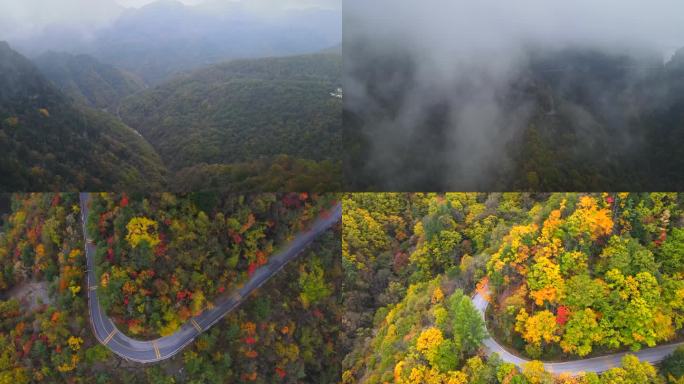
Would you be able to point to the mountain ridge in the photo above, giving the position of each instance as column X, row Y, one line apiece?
column 243, row 109
column 50, row 143
column 88, row 80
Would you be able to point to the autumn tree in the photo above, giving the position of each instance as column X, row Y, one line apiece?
column 467, row 324
column 582, row 331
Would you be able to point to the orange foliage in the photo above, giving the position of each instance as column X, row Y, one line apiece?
column 548, row 293
column 19, row 329
column 249, row 328
column 184, row 313
column 250, row 221
column 261, row 257
column 249, row 376
column 596, row 221
column 482, row 288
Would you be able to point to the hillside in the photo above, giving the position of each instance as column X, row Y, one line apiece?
column 87, row 80
column 223, row 237
column 283, row 332
column 571, row 276
column 50, row 143
column 572, row 119
column 600, row 121
column 281, row 173
column 242, row 111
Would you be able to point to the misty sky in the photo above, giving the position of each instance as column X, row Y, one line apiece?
column 24, row 18
column 271, row 3
column 140, row 3
column 491, row 23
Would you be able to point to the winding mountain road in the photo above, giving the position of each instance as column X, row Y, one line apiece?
column 168, row 346
column 593, row 364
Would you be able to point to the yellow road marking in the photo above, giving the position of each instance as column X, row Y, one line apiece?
column 197, row 326
column 109, row 337
column 156, row 349
column 94, row 287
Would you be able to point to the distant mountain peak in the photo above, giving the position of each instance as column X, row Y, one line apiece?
column 4, row 45
column 677, row 58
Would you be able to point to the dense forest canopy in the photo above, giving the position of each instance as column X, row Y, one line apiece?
column 284, row 332
column 45, row 337
column 50, row 143
column 280, row 173
column 242, row 110
column 162, row 259
column 87, row 80
column 570, row 275
column 269, row 124
column 598, row 273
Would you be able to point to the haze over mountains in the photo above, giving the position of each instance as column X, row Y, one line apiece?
column 229, row 95
column 88, row 80
column 167, row 36
column 550, row 95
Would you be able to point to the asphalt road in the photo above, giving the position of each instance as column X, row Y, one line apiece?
column 166, row 347
column 594, row 364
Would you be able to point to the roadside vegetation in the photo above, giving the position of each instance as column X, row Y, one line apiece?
column 410, row 258
column 597, row 274
column 164, row 258
column 284, row 332
column 44, row 339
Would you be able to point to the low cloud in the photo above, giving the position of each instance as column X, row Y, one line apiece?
column 457, row 62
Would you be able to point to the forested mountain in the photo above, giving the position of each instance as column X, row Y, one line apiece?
column 50, row 143
column 601, row 121
column 232, row 108
column 247, row 125
column 569, row 119
column 87, row 80
column 280, row 173
column 242, row 111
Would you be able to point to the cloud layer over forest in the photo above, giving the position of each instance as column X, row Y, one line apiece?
column 457, row 62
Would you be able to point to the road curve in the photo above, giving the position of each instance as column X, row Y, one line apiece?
column 593, row 364
column 168, row 346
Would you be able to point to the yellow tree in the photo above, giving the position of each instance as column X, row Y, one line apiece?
column 142, row 229
column 428, row 342
column 546, row 282
column 535, row 374
column 437, row 296
column 591, row 220
column 538, row 327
